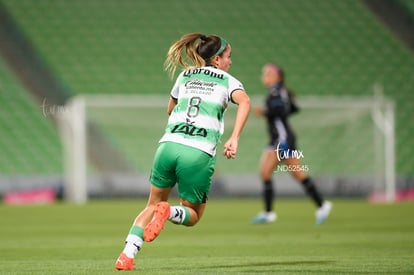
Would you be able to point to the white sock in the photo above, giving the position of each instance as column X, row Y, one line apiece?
column 133, row 244
column 177, row 214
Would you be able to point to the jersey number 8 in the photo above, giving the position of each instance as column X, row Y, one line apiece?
column 193, row 106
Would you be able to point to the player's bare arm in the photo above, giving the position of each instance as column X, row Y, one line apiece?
column 171, row 104
column 243, row 101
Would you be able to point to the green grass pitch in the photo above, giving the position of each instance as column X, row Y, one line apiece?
column 358, row 238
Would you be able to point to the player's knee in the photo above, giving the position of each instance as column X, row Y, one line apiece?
column 265, row 174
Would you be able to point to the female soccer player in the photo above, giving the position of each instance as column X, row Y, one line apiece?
column 279, row 105
column 186, row 153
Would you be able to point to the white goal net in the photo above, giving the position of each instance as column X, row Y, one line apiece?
column 347, row 146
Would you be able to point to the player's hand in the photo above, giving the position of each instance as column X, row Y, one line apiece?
column 230, row 148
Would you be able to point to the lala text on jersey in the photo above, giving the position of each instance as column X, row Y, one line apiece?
column 190, row 130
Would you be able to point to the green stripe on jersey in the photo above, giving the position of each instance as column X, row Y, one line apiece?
column 206, row 108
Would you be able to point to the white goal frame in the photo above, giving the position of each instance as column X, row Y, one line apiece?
column 72, row 125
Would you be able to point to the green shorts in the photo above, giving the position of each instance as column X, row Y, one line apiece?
column 191, row 168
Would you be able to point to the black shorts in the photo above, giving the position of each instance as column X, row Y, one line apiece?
column 289, row 143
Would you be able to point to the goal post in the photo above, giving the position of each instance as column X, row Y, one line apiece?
column 72, row 126
column 347, row 145
column 380, row 113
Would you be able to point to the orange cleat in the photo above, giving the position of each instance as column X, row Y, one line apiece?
column 124, row 263
column 161, row 214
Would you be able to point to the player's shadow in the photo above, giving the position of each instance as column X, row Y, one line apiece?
column 267, row 264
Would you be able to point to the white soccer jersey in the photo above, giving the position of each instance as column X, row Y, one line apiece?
column 202, row 96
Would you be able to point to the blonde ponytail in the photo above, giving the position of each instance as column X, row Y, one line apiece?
column 175, row 56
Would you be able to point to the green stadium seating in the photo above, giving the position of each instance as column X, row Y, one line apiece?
column 29, row 144
column 107, row 46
